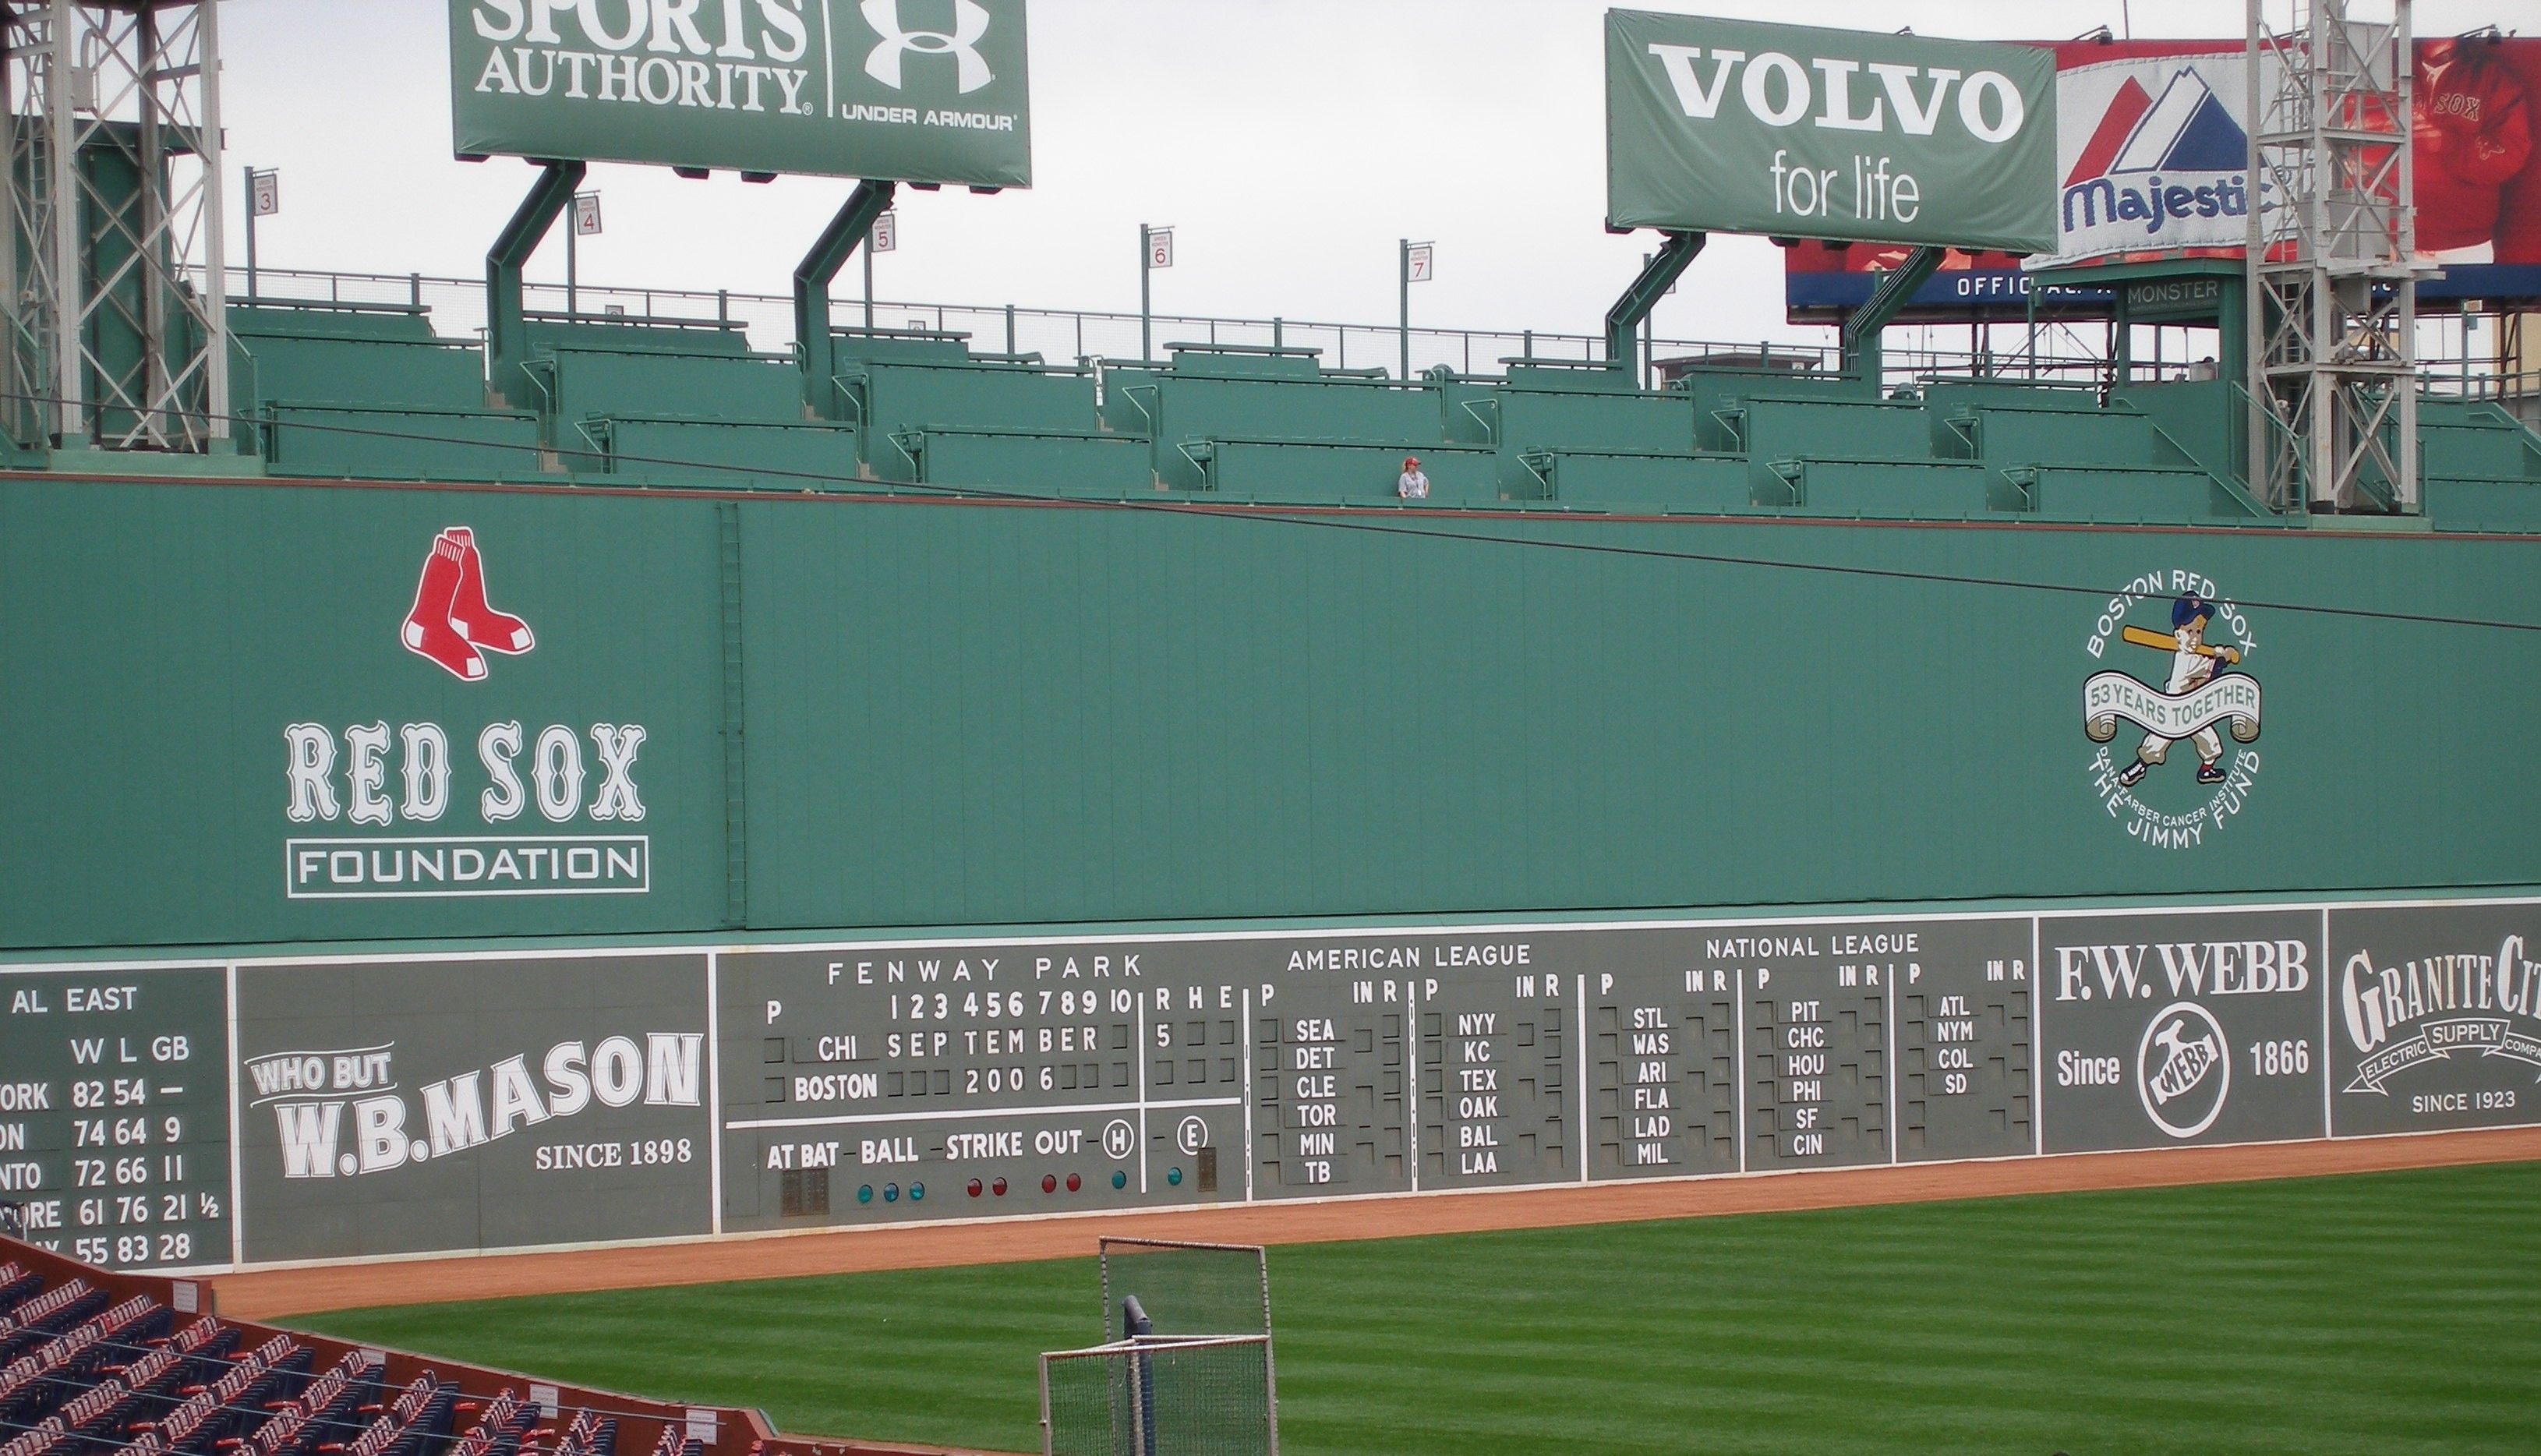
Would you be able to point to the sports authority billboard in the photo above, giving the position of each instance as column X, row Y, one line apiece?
column 1796, row 131
column 915, row 90
column 2151, row 156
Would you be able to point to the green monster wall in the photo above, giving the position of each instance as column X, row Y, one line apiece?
column 861, row 713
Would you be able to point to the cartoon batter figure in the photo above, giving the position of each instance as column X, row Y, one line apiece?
column 2192, row 665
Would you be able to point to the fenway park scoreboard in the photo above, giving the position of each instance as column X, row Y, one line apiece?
column 260, row 1111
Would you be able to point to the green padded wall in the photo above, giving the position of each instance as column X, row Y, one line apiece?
column 871, row 712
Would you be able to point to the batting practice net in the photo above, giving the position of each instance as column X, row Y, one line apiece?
column 1187, row 1290
column 1160, row 1396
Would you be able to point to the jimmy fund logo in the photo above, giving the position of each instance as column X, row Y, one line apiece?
column 2436, row 1007
column 2204, row 687
column 341, row 1114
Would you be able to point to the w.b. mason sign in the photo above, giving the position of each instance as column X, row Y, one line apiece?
column 912, row 90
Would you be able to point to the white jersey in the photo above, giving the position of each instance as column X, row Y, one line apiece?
column 1412, row 486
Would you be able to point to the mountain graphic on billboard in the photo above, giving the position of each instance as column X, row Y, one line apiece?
column 2189, row 130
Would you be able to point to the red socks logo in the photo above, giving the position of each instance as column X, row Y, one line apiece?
column 451, row 622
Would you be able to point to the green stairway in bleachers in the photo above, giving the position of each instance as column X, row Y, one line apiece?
column 367, row 389
column 1252, row 396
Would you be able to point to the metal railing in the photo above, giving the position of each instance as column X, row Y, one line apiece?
column 2051, row 352
column 458, row 307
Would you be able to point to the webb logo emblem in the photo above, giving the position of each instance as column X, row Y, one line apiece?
column 451, row 622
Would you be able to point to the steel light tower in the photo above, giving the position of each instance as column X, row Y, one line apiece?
column 2333, row 407
column 114, row 286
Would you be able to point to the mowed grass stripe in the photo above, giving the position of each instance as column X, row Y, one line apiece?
column 2393, row 1312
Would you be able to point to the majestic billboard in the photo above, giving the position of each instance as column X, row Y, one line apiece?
column 1795, row 131
column 2151, row 156
column 931, row 91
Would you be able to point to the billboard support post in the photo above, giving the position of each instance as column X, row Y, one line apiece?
column 507, row 342
column 1862, row 332
column 814, row 347
column 1658, row 275
column 1146, row 264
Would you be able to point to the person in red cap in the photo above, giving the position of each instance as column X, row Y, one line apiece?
column 1414, row 486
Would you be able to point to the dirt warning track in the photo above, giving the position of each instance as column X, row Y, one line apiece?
column 269, row 1293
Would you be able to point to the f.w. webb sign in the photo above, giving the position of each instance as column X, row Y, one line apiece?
column 910, row 90
column 1792, row 131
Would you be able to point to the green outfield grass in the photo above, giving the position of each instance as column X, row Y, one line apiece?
column 2384, row 1313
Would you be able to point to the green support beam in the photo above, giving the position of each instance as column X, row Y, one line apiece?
column 507, row 335
column 1888, row 299
column 1658, row 275
column 813, row 345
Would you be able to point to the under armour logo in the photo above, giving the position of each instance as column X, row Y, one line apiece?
column 970, row 22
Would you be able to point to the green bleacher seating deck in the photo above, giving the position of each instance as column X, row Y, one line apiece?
column 1619, row 419
column 317, row 318
column 1367, row 410
column 1243, row 361
column 1855, row 429
column 2051, row 434
column 1338, row 470
column 1721, row 398
column 2480, row 448
column 347, row 369
column 636, row 334
column 2084, row 492
column 386, row 444
column 1969, row 393
column 2460, row 504
column 884, row 397
column 579, row 382
column 1059, row 462
column 900, row 345
column 793, row 454
column 1888, row 488
column 1638, row 479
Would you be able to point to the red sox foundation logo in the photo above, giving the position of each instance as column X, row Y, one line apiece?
column 451, row 625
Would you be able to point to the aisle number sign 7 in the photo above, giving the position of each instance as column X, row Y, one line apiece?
column 1417, row 263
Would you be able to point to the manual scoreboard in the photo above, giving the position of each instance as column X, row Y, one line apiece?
column 203, row 1116
column 114, row 1112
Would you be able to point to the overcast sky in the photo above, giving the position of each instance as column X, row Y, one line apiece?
column 1289, row 142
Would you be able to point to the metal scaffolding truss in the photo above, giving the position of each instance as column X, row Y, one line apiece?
column 2331, row 257
column 111, row 113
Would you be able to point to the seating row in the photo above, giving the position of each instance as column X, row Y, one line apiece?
column 352, row 390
